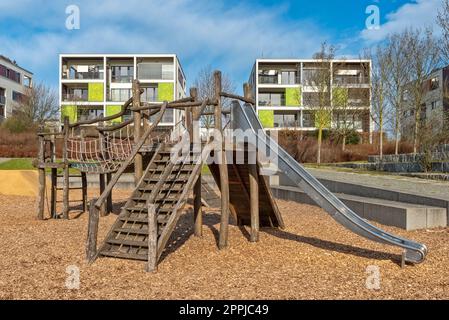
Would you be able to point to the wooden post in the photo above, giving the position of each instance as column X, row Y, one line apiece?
column 152, row 239
column 254, row 199
column 224, row 179
column 41, row 160
column 109, row 200
column 103, row 210
column 54, row 177
column 65, row 195
column 197, row 203
column 92, row 231
column 138, row 162
column 84, row 190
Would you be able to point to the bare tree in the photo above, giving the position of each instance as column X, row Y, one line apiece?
column 443, row 21
column 399, row 77
column 204, row 82
column 380, row 73
column 38, row 105
column 423, row 57
column 320, row 100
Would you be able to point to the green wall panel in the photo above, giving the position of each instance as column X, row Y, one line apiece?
column 293, row 97
column 95, row 92
column 340, row 97
column 165, row 91
column 267, row 118
column 70, row 112
column 114, row 109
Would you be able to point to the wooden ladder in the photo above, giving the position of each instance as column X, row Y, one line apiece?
column 128, row 237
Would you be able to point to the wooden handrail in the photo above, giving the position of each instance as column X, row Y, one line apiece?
column 237, row 97
column 131, row 157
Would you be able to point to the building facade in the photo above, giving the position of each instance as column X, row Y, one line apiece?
column 93, row 85
column 287, row 95
column 14, row 82
column 435, row 107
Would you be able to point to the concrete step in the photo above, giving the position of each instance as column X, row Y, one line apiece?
column 391, row 213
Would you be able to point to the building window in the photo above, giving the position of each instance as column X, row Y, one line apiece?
column 120, row 95
column 150, row 94
column 286, row 119
column 308, row 119
column 433, row 105
column 434, row 83
column 89, row 113
column 271, row 99
column 153, row 70
column 17, row 96
column 122, row 74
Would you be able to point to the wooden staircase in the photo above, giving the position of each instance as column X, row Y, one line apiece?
column 167, row 186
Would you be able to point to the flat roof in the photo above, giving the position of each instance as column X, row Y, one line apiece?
column 14, row 63
column 309, row 60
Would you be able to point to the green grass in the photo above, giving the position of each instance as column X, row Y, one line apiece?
column 17, row 164
column 27, row 164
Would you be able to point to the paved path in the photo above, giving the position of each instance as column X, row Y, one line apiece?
column 4, row 160
column 430, row 188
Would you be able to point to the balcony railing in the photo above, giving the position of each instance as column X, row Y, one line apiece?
column 267, row 79
column 2, row 100
column 342, row 80
column 92, row 75
column 122, row 79
column 74, row 97
column 287, row 124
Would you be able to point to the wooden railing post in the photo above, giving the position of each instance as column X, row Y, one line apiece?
column 92, row 232
column 152, row 239
column 65, row 195
column 253, row 181
column 54, row 176
column 41, row 171
column 224, row 179
column 138, row 162
column 196, row 139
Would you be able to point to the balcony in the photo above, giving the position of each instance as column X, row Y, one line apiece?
column 275, row 79
column 91, row 75
column 75, row 97
column 349, row 80
column 155, row 71
column 122, row 79
column 120, row 95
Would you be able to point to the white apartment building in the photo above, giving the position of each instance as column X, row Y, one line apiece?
column 286, row 95
column 14, row 82
column 93, row 85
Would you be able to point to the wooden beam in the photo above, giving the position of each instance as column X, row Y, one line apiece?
column 84, row 190
column 223, row 168
column 53, row 196
column 41, row 198
column 65, row 160
column 152, row 239
column 92, row 232
column 254, row 201
column 138, row 161
column 197, row 201
column 109, row 200
column 103, row 209
column 236, row 97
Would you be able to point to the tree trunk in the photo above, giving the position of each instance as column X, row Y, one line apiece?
column 396, row 149
column 343, row 144
column 320, row 137
column 381, row 142
column 416, row 129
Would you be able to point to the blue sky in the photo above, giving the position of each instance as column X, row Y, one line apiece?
column 228, row 35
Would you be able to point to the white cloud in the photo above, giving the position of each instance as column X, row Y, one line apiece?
column 227, row 36
column 419, row 13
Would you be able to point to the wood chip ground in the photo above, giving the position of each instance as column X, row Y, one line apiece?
column 313, row 258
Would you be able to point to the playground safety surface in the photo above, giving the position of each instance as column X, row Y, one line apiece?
column 313, row 258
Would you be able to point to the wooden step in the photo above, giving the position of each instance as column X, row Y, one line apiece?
column 131, row 243
column 122, row 255
column 161, row 218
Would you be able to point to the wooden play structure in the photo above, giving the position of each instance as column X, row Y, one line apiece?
column 164, row 177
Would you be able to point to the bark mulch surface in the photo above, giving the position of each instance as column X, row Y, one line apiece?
column 313, row 258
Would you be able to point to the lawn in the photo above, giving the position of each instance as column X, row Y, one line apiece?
column 17, row 164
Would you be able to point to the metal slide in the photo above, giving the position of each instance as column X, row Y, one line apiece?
column 245, row 118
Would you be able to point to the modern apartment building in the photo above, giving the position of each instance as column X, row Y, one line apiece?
column 93, row 85
column 435, row 107
column 14, row 81
column 287, row 95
